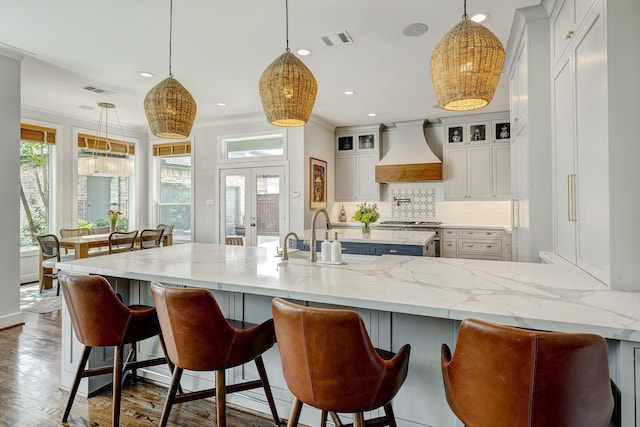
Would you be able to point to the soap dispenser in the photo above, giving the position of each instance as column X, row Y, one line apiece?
column 336, row 250
column 325, row 248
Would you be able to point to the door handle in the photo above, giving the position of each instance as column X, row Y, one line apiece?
column 253, row 224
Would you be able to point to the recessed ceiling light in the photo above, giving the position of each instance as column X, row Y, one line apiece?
column 414, row 30
column 146, row 74
column 304, row 52
column 221, row 104
column 349, row 92
column 480, row 17
column 372, row 114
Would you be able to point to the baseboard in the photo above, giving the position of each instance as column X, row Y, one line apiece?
column 10, row 320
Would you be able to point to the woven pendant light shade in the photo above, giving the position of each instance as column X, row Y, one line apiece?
column 466, row 66
column 170, row 109
column 288, row 91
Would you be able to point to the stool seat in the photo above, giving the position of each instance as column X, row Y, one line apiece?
column 511, row 377
column 329, row 363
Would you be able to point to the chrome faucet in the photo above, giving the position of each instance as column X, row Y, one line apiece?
column 285, row 253
column 313, row 257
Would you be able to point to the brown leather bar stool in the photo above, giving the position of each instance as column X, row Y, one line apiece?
column 329, row 363
column 504, row 376
column 100, row 319
column 199, row 338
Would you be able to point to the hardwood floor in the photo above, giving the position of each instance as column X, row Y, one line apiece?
column 30, row 395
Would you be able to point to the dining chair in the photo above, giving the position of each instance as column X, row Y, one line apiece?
column 102, row 229
column 50, row 251
column 150, row 238
column 329, row 363
column 501, row 376
column 167, row 232
column 100, row 319
column 122, row 241
column 74, row 232
column 200, row 338
column 234, row 240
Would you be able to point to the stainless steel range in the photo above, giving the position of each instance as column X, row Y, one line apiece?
column 414, row 226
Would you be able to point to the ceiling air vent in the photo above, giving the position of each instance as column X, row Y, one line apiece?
column 97, row 90
column 336, row 39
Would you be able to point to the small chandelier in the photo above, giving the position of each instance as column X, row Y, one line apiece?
column 170, row 108
column 287, row 88
column 100, row 163
column 466, row 66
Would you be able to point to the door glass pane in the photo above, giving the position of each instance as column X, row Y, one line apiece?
column 268, row 209
column 257, row 146
column 175, row 196
column 235, row 191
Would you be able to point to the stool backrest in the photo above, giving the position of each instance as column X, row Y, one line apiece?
column 504, row 376
column 102, row 229
column 196, row 333
column 329, row 361
column 98, row 316
column 166, row 229
column 234, row 240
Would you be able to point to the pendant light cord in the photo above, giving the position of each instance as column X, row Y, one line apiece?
column 465, row 16
column 286, row 15
column 170, row 33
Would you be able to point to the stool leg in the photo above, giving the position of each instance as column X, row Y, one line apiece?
column 336, row 419
column 221, row 399
column 358, row 419
column 117, row 384
column 171, row 395
column 267, row 389
column 296, row 409
column 172, row 367
column 391, row 419
column 323, row 419
column 76, row 382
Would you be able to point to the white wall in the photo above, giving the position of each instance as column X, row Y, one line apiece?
column 9, row 189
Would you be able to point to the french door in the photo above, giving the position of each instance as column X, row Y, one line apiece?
column 252, row 208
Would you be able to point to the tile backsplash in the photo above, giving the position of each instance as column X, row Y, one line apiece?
column 425, row 201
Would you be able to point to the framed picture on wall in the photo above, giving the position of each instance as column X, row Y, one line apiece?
column 317, row 183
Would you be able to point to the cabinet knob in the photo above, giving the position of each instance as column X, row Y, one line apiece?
column 470, row 245
column 569, row 35
column 489, row 246
column 471, row 232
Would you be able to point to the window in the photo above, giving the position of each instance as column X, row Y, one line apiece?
column 174, row 206
column 36, row 146
column 105, row 181
column 253, row 146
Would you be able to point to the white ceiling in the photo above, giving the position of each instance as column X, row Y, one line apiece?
column 220, row 49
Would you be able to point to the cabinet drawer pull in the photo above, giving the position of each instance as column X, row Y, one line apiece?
column 470, row 232
column 449, row 244
column 569, row 35
column 489, row 246
column 393, row 251
column 470, row 245
column 343, row 249
column 488, row 233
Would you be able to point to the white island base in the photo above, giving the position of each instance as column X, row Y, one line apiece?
column 402, row 300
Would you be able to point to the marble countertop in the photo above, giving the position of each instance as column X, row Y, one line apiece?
column 391, row 237
column 556, row 297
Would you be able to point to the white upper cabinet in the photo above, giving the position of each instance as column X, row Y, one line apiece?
column 358, row 150
column 476, row 157
column 565, row 21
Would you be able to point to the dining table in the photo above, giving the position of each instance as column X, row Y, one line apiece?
column 82, row 245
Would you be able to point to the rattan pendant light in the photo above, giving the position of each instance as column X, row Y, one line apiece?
column 170, row 108
column 287, row 88
column 466, row 66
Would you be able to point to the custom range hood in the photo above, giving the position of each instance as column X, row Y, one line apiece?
column 409, row 158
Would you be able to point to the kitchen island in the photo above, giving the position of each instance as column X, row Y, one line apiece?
column 402, row 299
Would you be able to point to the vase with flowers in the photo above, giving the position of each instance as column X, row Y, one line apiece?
column 366, row 214
column 114, row 216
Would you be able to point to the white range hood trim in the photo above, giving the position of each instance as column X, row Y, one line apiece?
column 409, row 145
